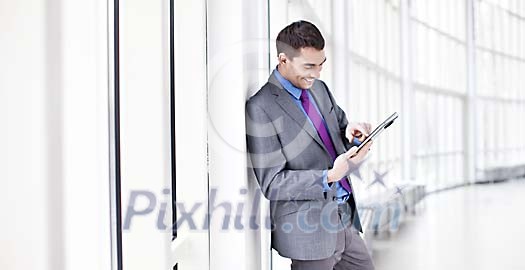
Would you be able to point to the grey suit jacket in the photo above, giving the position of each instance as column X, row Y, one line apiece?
column 288, row 159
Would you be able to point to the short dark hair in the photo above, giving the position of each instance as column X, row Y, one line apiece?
column 297, row 35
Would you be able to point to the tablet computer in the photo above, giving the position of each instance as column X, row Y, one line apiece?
column 378, row 130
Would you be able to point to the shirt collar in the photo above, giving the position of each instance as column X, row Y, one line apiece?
column 290, row 88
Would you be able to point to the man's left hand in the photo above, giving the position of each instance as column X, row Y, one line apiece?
column 358, row 130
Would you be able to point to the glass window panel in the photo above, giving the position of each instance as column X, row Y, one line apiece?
column 502, row 84
column 516, row 79
column 423, row 64
column 419, row 117
column 453, row 65
column 498, row 22
column 388, row 38
column 373, row 109
column 416, row 72
column 457, row 63
column 487, row 75
column 431, row 56
column 504, row 4
column 461, row 66
column 505, row 32
column 370, row 21
column 379, row 35
column 514, row 34
column 507, row 77
column 481, row 131
column 359, row 94
column 458, row 168
column 438, row 61
column 453, row 179
column 491, row 28
column 446, row 72
column 432, row 12
column 496, row 124
column 358, row 29
column 478, row 22
column 451, row 133
column 460, row 125
column 397, row 44
column 354, row 22
column 382, row 99
column 440, row 15
column 440, row 141
column 495, row 78
column 441, row 56
column 485, row 30
column 449, row 124
column 449, row 17
column 433, row 118
column 365, row 84
column 461, row 18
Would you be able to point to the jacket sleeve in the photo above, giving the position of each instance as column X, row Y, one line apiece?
column 266, row 157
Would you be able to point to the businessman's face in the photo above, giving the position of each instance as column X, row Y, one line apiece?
column 304, row 68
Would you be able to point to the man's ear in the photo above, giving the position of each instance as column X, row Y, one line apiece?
column 282, row 58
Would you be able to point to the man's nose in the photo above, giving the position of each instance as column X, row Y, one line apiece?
column 316, row 73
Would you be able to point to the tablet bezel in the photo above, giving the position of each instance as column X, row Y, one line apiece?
column 389, row 121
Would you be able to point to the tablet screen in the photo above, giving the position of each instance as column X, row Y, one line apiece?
column 378, row 130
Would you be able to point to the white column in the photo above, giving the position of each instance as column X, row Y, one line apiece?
column 470, row 139
column 57, row 176
column 236, row 39
column 86, row 204
column 25, row 155
column 145, row 143
column 278, row 19
column 257, row 66
column 191, row 249
column 406, row 116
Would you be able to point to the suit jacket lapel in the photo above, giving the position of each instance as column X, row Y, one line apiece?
column 284, row 100
column 327, row 109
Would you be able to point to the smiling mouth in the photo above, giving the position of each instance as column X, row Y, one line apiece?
column 309, row 80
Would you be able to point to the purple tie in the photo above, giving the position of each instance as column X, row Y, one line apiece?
column 321, row 130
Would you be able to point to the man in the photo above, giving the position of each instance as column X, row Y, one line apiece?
column 302, row 149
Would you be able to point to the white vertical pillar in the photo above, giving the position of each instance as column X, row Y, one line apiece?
column 277, row 20
column 191, row 247
column 85, row 149
column 257, row 28
column 236, row 43
column 145, row 139
column 112, row 162
column 54, row 93
column 27, row 163
column 406, row 116
column 470, row 139
column 225, row 135
column 256, row 48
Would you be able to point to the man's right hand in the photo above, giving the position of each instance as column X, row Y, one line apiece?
column 342, row 162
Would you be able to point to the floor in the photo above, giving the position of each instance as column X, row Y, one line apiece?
column 475, row 227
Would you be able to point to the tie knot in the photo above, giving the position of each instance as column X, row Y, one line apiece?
column 304, row 95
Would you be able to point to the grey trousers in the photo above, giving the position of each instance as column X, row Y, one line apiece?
column 350, row 252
